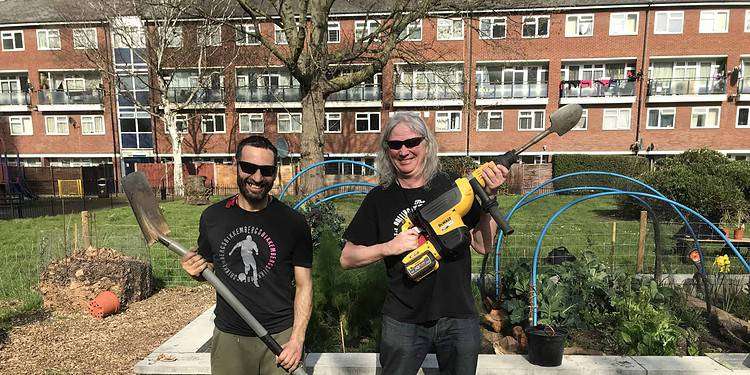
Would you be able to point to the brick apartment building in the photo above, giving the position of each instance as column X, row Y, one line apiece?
column 654, row 77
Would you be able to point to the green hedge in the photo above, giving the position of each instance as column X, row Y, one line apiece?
column 632, row 166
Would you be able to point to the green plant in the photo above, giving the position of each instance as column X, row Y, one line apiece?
column 632, row 166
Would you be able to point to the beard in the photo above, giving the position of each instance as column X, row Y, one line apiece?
column 251, row 196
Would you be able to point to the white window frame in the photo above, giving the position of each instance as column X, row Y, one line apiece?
column 737, row 120
column 705, row 14
column 613, row 23
column 44, row 35
column 57, row 121
column 491, row 115
column 448, row 117
column 532, row 115
column 279, row 36
column 289, row 117
column 334, row 117
column 670, row 16
column 173, row 36
column 213, row 117
column 179, row 118
column 583, row 123
column 658, row 121
column 11, row 34
column 410, row 29
column 87, row 41
column 93, row 119
column 535, row 20
column 706, row 110
column 250, row 118
column 367, row 28
column 244, row 36
column 492, row 21
column 334, row 26
column 577, row 18
column 618, row 113
column 747, row 21
column 450, row 23
column 204, row 37
column 366, row 116
column 27, row 126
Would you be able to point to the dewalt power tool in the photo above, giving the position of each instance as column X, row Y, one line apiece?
column 441, row 225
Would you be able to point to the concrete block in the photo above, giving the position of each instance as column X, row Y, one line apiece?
column 192, row 337
column 739, row 363
column 175, row 363
column 681, row 365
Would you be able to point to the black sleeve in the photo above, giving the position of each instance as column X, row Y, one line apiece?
column 204, row 245
column 302, row 254
column 472, row 217
column 363, row 230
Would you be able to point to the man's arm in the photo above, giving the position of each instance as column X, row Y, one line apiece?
column 354, row 256
column 292, row 350
column 482, row 236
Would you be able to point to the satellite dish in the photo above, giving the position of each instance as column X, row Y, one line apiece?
column 282, row 147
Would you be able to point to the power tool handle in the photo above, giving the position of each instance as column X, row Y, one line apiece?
column 507, row 159
column 490, row 206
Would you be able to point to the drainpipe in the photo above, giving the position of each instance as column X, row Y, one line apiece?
column 470, row 87
column 640, row 85
column 112, row 108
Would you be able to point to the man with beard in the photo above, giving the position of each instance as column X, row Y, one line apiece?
column 279, row 294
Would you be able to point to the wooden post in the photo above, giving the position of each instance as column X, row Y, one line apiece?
column 641, row 242
column 75, row 239
column 614, row 241
column 85, row 238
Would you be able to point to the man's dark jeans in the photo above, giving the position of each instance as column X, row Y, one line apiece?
column 404, row 346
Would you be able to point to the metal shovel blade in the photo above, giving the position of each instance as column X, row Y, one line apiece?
column 145, row 208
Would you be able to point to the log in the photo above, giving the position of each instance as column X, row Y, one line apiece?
column 730, row 327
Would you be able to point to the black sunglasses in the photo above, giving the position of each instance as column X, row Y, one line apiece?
column 409, row 143
column 250, row 168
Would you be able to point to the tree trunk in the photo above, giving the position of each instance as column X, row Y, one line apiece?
column 729, row 326
column 312, row 138
column 170, row 118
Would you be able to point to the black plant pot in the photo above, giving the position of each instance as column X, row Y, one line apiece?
column 546, row 345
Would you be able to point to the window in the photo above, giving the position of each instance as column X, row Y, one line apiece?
column 279, row 36
column 209, row 35
column 579, row 25
column 535, row 27
column 714, row 21
column 21, row 125
column 742, row 117
column 12, row 40
column 616, row 119
column 350, row 168
column 747, row 21
column 56, row 125
column 85, row 39
column 212, row 123
column 289, row 123
column 245, row 36
column 450, row 29
column 364, row 28
column 333, row 122
column 92, row 125
column 135, row 128
column 334, row 32
column 583, row 123
column 368, row 122
column 448, row 121
column 660, row 118
column 623, row 24
column 251, row 123
column 413, row 31
column 705, row 117
column 668, row 22
column 181, row 123
column 173, row 36
column 492, row 28
column 48, row 39
column 531, row 120
column 490, row 120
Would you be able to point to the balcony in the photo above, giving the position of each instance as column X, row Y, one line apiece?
column 202, row 97
column 14, row 101
column 429, row 94
column 59, row 100
column 268, row 96
column 367, row 95
column 665, row 90
column 743, row 88
column 526, row 93
column 598, row 91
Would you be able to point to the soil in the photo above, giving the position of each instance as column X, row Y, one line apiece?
column 77, row 343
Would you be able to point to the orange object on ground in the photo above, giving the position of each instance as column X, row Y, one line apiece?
column 106, row 303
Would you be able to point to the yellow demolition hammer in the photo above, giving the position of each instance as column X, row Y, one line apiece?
column 441, row 225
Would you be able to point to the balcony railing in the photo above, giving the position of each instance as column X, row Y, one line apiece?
column 202, row 95
column 267, row 94
column 597, row 88
column 687, row 86
column 357, row 93
column 14, row 98
column 54, row 97
column 430, row 91
column 512, row 90
column 744, row 85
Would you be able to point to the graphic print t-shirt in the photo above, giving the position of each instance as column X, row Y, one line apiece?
column 254, row 254
column 444, row 293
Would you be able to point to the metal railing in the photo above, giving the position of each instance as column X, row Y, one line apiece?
column 14, row 98
column 357, row 93
column 267, row 94
column 511, row 90
column 55, row 97
column 744, row 85
column 202, row 95
column 687, row 86
column 597, row 88
column 429, row 91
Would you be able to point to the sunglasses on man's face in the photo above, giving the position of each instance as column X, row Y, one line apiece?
column 409, row 143
column 250, row 168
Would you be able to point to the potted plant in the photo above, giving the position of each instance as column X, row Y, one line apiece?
column 546, row 340
column 740, row 217
column 726, row 222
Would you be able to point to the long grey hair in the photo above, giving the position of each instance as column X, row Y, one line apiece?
column 386, row 169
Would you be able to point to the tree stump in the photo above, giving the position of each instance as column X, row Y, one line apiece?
column 196, row 192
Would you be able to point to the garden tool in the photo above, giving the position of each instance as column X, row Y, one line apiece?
column 440, row 222
column 155, row 229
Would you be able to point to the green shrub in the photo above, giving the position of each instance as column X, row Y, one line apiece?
column 631, row 166
column 458, row 165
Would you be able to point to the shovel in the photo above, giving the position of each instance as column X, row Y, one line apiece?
column 155, row 229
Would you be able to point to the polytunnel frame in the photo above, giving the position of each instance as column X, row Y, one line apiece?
column 326, row 188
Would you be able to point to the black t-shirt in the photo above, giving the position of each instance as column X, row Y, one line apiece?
column 254, row 254
column 444, row 293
